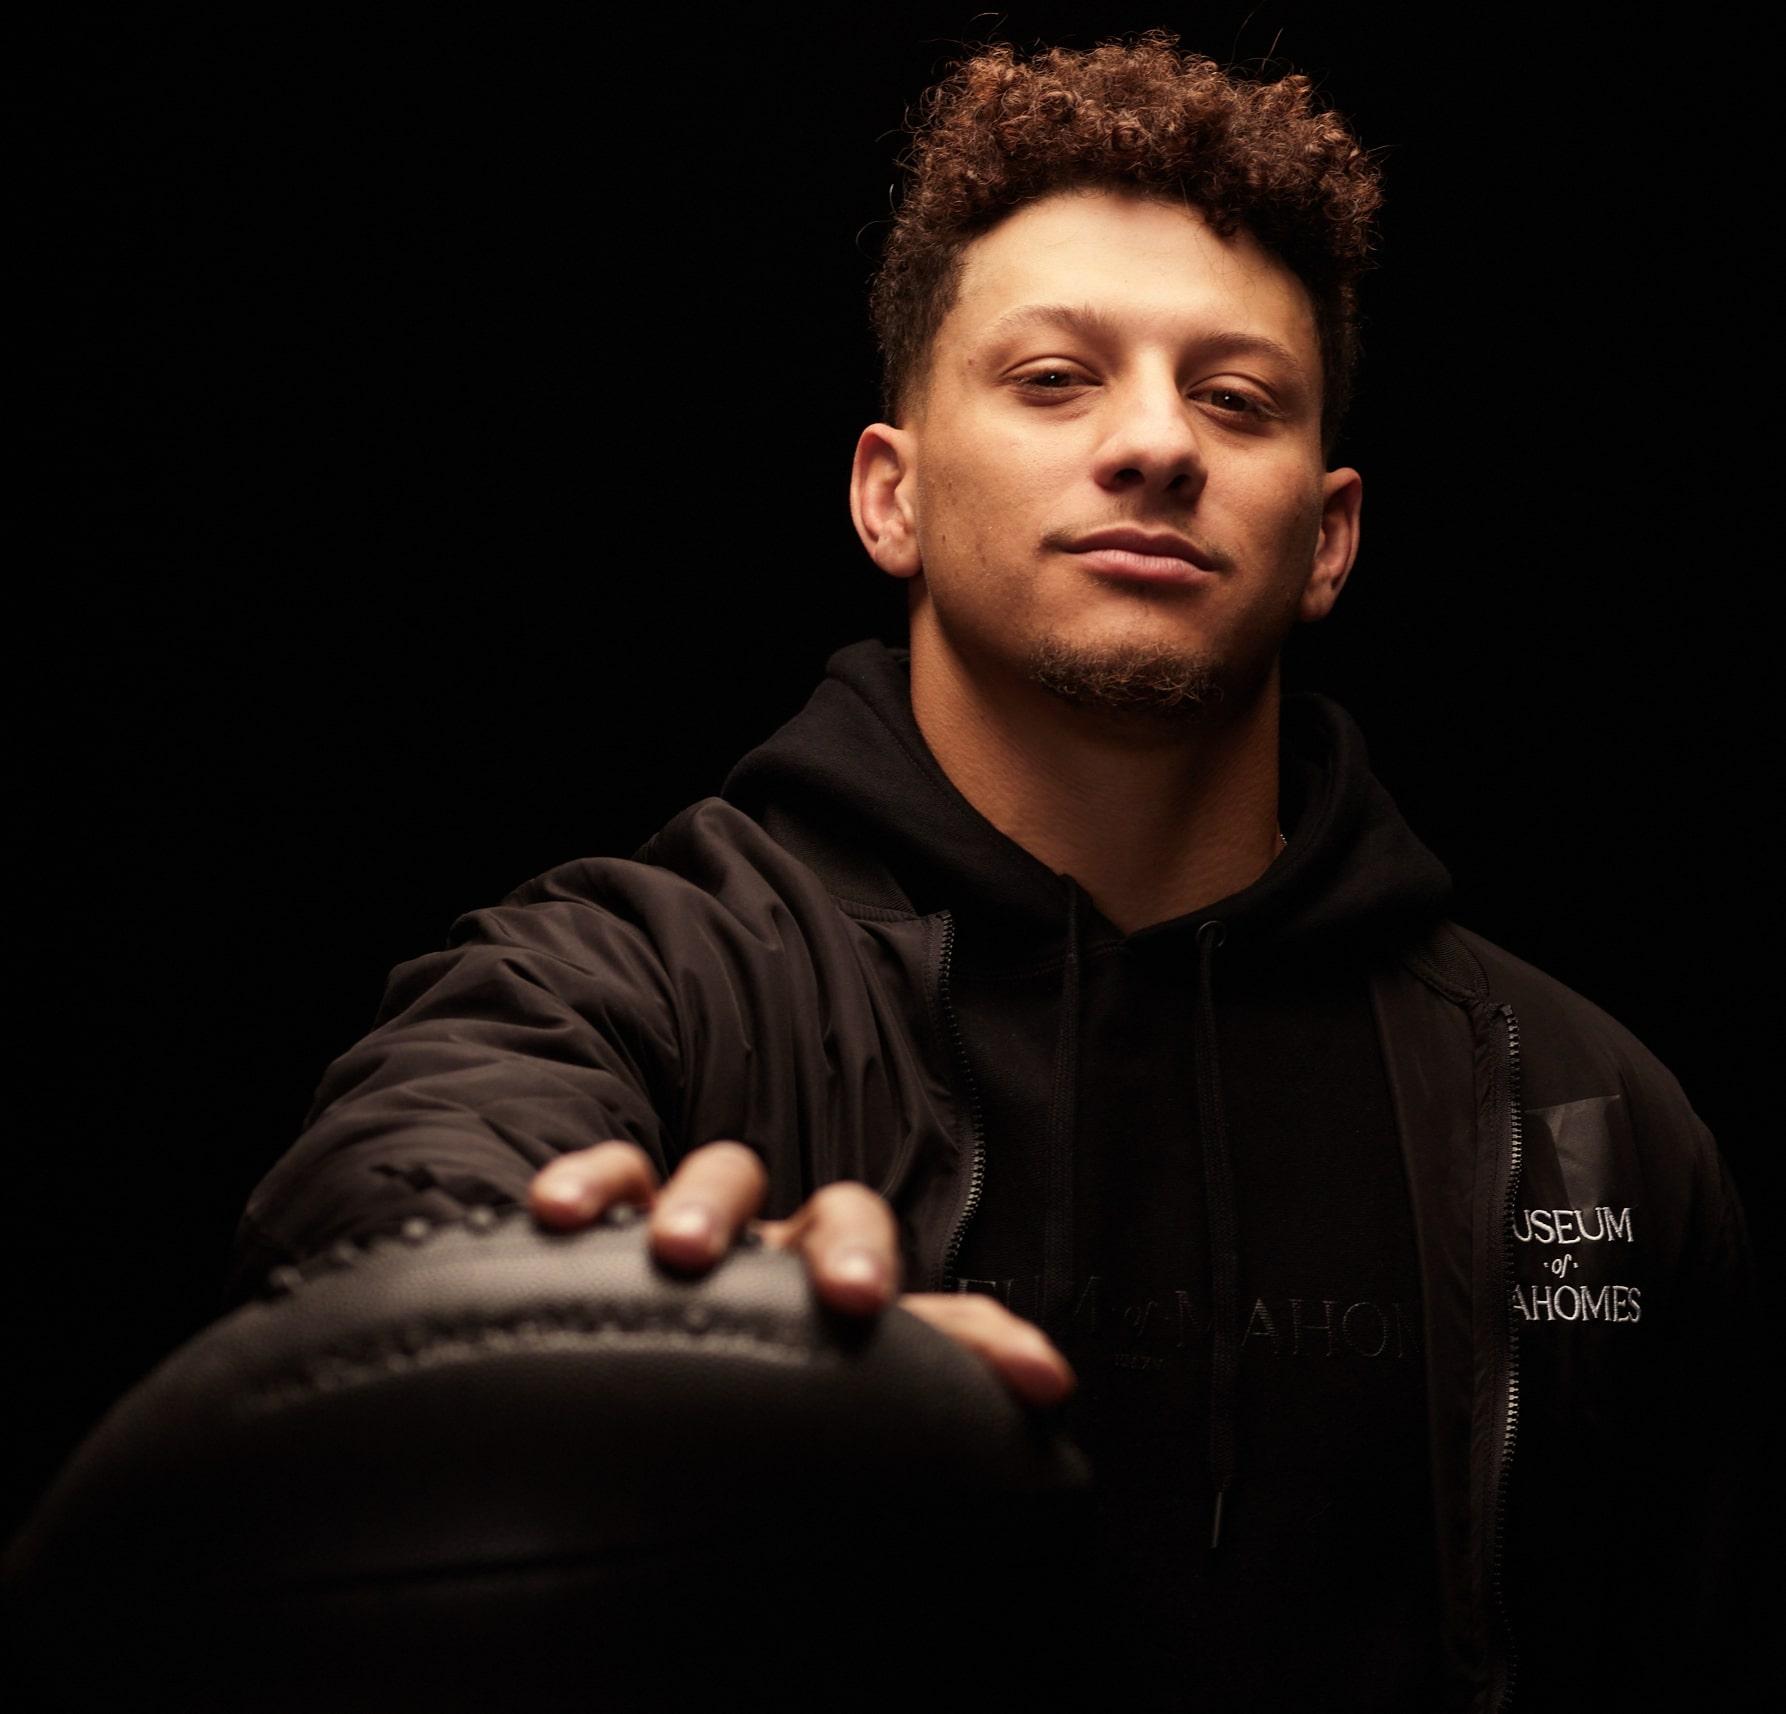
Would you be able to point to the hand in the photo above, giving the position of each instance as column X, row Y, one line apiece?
column 848, row 1236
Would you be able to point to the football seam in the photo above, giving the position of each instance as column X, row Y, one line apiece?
column 423, row 1347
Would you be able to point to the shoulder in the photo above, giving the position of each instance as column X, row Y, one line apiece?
column 1583, row 1070
column 1558, row 1018
column 710, row 886
column 709, row 859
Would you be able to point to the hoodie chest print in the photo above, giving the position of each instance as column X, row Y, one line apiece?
column 1574, row 1248
column 1145, row 1328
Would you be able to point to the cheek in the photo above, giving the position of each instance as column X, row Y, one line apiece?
column 977, row 506
column 1286, row 517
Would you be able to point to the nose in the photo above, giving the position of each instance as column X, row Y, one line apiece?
column 1151, row 443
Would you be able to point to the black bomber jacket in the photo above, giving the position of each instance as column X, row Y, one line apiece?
column 775, row 966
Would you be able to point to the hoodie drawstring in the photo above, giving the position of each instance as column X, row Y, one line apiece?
column 1224, row 1236
column 1063, row 1127
column 1218, row 1184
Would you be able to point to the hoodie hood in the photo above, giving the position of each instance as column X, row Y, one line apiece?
column 851, row 774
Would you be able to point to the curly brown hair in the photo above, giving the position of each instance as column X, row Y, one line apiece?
column 997, row 132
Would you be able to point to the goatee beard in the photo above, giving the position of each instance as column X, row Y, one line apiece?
column 1145, row 680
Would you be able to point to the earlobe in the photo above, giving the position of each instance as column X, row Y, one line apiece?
column 880, row 499
column 1336, row 547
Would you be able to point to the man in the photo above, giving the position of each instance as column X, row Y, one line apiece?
column 1064, row 982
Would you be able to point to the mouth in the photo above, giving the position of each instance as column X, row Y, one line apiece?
column 1144, row 556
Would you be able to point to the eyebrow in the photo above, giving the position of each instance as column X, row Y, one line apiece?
column 1089, row 320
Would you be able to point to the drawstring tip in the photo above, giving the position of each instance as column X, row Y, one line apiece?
column 1215, row 1527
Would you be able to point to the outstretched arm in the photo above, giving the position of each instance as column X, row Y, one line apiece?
column 539, row 1059
column 539, row 1030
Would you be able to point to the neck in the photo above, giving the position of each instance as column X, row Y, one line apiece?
column 1153, row 820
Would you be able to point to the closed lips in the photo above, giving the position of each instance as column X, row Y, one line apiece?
column 1160, row 545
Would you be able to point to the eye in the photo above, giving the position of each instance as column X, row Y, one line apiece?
column 1240, row 405
column 1041, row 380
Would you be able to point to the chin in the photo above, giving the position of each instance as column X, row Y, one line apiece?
column 1145, row 678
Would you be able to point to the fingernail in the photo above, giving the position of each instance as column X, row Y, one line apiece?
column 688, row 1220
column 566, row 1193
column 856, row 1266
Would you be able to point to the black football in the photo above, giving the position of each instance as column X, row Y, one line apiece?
column 484, row 1465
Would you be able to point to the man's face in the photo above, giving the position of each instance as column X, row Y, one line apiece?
column 1189, row 405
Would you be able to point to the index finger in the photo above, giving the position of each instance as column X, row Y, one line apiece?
column 580, row 1186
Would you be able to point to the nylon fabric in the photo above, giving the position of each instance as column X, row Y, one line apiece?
column 766, row 968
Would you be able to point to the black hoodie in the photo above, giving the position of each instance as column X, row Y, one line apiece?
column 1191, row 1179
column 1401, row 1179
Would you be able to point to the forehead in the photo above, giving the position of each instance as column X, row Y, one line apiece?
column 1156, row 269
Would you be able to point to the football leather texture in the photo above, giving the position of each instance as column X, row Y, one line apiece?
column 485, row 1465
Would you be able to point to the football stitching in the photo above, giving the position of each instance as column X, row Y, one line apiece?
column 420, row 1346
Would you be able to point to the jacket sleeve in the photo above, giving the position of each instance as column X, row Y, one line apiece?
column 1721, row 1458
column 546, row 1024
column 1682, row 1537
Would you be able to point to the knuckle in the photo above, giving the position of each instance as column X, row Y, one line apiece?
column 969, row 1316
column 628, row 1157
column 735, row 1159
column 1013, row 1333
column 852, row 1202
column 966, row 1326
column 983, row 1313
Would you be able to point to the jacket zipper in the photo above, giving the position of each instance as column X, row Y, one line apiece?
column 1510, row 1432
column 977, row 1178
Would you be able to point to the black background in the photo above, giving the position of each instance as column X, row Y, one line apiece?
column 441, row 437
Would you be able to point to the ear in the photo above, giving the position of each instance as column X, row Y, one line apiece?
column 1342, row 493
column 882, row 479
